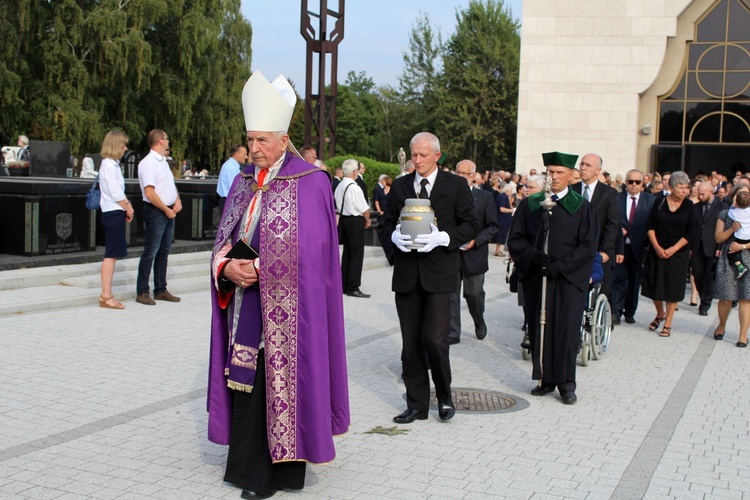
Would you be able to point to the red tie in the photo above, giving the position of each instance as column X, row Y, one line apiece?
column 632, row 211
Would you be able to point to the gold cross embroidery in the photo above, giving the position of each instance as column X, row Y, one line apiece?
column 255, row 187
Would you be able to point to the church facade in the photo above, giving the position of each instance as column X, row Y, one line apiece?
column 658, row 85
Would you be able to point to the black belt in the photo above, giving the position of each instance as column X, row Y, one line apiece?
column 345, row 216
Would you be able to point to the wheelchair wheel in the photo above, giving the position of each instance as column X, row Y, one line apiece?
column 526, row 354
column 585, row 354
column 601, row 327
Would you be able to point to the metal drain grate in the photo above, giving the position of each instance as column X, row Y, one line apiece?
column 478, row 400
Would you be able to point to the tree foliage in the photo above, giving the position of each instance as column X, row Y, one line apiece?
column 72, row 69
column 464, row 90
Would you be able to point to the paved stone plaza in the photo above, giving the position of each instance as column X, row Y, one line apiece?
column 99, row 403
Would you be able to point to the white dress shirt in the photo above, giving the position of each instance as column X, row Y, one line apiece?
column 430, row 182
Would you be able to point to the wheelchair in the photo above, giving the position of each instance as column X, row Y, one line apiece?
column 596, row 325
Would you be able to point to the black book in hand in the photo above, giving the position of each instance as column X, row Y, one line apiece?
column 241, row 250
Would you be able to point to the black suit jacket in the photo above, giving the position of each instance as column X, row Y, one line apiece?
column 361, row 183
column 437, row 270
column 636, row 231
column 704, row 242
column 474, row 261
column 608, row 219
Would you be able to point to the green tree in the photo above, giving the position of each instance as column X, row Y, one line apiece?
column 356, row 121
column 478, row 92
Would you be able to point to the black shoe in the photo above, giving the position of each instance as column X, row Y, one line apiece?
column 481, row 331
column 358, row 293
column 525, row 343
column 541, row 390
column 568, row 397
column 453, row 340
column 629, row 320
column 446, row 411
column 615, row 319
column 741, row 344
column 410, row 416
column 701, row 312
column 251, row 494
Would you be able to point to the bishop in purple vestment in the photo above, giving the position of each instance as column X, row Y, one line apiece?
column 277, row 389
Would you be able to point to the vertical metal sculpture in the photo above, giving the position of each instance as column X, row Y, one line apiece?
column 320, row 102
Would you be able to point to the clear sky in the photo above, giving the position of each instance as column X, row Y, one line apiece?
column 376, row 32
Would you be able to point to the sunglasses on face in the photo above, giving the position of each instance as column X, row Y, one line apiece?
column 634, row 181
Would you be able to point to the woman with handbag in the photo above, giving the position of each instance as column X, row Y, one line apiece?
column 116, row 211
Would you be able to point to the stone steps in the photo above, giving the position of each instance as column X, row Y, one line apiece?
column 62, row 286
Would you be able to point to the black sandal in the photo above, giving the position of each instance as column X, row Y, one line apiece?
column 665, row 331
column 655, row 323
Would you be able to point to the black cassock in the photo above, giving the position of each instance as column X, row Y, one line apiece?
column 572, row 247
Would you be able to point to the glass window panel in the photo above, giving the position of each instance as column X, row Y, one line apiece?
column 696, row 51
column 670, row 122
column 679, row 92
column 739, row 20
column 705, row 130
column 713, row 58
column 713, row 28
column 737, row 85
column 735, row 130
column 738, row 58
column 694, row 111
column 694, row 91
column 739, row 108
column 712, row 83
column 668, row 159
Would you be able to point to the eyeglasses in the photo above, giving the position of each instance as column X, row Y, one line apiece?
column 465, row 174
column 634, row 181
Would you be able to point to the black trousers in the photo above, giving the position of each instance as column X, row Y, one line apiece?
column 425, row 320
column 249, row 463
column 353, row 239
column 627, row 284
column 704, row 271
column 473, row 285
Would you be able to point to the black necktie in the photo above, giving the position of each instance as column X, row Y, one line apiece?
column 423, row 191
column 555, row 197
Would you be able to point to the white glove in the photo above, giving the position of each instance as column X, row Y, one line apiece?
column 433, row 240
column 400, row 240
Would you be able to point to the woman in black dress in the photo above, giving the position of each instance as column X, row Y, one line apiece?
column 670, row 229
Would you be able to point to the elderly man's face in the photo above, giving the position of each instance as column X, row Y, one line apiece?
column 424, row 158
column 575, row 176
column 266, row 148
column 464, row 170
column 532, row 188
column 590, row 168
column 310, row 156
column 633, row 183
column 560, row 177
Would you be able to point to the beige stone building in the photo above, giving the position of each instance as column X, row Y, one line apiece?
column 652, row 84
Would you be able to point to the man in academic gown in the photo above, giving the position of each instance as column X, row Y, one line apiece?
column 567, row 267
column 277, row 388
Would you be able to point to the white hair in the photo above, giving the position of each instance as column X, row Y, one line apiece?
column 23, row 139
column 350, row 166
column 382, row 176
column 537, row 179
column 430, row 138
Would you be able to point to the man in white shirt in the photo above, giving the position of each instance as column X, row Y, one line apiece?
column 230, row 169
column 354, row 218
column 161, row 203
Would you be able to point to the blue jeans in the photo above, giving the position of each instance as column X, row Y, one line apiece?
column 159, row 232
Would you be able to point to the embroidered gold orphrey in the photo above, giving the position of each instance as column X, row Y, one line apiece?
column 280, row 306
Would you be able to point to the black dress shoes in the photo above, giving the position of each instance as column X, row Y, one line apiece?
column 410, row 416
column 615, row 319
column 251, row 494
column 481, row 331
column 446, row 411
column 453, row 340
column 358, row 293
column 702, row 312
column 541, row 390
column 568, row 397
column 629, row 320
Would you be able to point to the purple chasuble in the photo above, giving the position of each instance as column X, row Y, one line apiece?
column 301, row 307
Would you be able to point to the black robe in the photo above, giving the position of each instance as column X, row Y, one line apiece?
column 573, row 242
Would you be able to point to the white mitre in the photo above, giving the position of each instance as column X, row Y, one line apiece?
column 268, row 107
